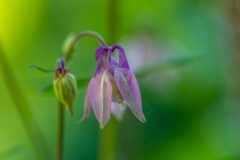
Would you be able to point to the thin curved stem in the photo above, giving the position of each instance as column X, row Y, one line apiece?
column 79, row 36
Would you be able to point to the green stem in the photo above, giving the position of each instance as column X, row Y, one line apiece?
column 107, row 141
column 60, row 132
column 79, row 36
column 112, row 23
column 22, row 107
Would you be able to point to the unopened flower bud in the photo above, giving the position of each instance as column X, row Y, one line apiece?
column 65, row 87
column 68, row 41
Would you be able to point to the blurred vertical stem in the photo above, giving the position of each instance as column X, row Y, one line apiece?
column 60, row 132
column 107, row 141
column 131, row 137
column 108, row 136
column 23, row 109
column 60, row 123
column 234, row 10
column 112, row 17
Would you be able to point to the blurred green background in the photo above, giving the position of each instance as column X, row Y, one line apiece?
column 186, row 57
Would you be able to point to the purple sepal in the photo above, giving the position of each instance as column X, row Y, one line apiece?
column 87, row 103
column 128, row 87
column 101, row 97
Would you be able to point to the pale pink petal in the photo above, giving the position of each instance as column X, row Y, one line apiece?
column 101, row 97
column 87, row 103
column 128, row 87
column 118, row 110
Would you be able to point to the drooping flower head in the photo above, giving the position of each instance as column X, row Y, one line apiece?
column 65, row 86
column 113, row 84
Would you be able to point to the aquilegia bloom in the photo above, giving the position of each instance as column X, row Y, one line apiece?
column 113, row 82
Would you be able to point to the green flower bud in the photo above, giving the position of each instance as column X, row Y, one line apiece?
column 68, row 42
column 65, row 88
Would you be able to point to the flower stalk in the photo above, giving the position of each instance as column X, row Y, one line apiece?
column 60, row 132
column 78, row 37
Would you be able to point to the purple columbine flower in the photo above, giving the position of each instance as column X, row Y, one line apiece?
column 113, row 83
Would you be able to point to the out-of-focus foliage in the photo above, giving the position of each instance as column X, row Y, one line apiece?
column 183, row 55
